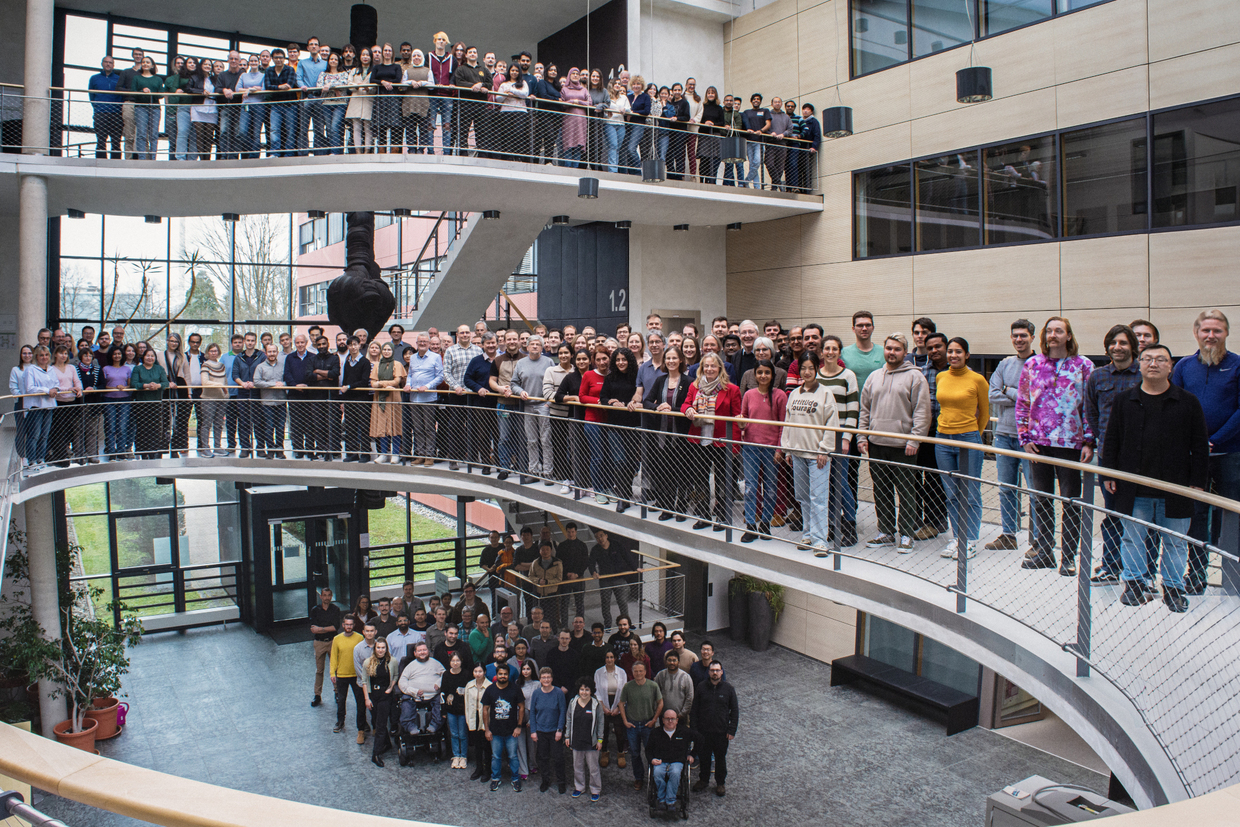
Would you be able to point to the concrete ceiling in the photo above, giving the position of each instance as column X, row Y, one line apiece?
column 381, row 182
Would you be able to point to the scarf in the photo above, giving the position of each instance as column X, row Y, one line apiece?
column 708, row 392
column 386, row 370
column 571, row 84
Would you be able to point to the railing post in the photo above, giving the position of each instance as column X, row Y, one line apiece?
column 461, row 563
column 962, row 544
column 644, row 436
column 835, row 501
column 1229, row 542
column 1084, row 565
column 727, row 484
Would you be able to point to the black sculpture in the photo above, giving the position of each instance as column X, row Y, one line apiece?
column 360, row 298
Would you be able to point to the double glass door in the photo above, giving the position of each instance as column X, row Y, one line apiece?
column 307, row 555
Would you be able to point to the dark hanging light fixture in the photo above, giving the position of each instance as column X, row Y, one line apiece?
column 76, row 213
column 654, row 170
column 973, row 83
column 681, row 228
column 733, row 149
column 403, row 213
column 153, row 219
column 490, row 215
column 587, row 188
column 734, row 227
column 231, row 217
column 624, row 225
column 316, row 214
column 837, row 120
column 559, row 221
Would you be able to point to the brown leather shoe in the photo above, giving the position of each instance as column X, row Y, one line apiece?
column 604, row 759
column 637, row 785
column 361, row 736
column 1004, row 542
column 720, row 791
column 622, row 761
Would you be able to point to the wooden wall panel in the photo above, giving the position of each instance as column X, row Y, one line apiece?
column 1193, row 268
column 1105, row 272
column 883, row 286
column 772, row 293
column 826, row 237
column 765, row 246
column 1003, row 279
column 996, row 120
column 1102, row 97
column 1179, row 28
column 1098, row 40
column 1199, row 76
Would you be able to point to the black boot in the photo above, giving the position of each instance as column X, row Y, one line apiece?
column 1175, row 599
column 1134, row 594
column 750, row 533
column 764, row 527
column 848, row 533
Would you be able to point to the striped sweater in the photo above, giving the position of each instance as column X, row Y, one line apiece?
column 847, row 397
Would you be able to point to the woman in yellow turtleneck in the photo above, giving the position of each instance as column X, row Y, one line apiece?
column 964, row 409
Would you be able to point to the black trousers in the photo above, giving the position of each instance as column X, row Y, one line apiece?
column 708, row 458
column 550, row 750
column 300, row 427
column 614, row 725
column 715, row 747
column 356, row 429
column 483, row 435
column 381, row 715
column 179, row 408
column 343, row 686
column 668, row 467
column 108, row 128
column 482, row 751
column 65, row 418
column 1043, row 477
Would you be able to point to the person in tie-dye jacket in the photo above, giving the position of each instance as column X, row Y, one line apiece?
column 1050, row 422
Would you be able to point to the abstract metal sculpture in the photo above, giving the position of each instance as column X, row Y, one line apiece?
column 360, row 298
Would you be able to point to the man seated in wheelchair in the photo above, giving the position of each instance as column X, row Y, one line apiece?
column 419, row 685
column 669, row 748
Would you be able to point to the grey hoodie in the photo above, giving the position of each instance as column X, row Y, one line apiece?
column 897, row 401
column 1003, row 385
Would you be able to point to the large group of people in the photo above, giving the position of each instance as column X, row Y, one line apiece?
column 674, row 421
column 380, row 98
column 524, row 695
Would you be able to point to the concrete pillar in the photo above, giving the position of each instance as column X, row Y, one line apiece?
column 41, row 548
column 37, row 78
column 32, row 257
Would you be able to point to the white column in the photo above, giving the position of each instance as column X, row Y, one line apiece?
column 41, row 548
column 36, row 109
column 32, row 257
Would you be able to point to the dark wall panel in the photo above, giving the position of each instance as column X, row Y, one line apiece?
column 608, row 41
column 583, row 276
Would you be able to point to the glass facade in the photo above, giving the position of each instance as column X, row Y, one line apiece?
column 889, row 32
column 1088, row 181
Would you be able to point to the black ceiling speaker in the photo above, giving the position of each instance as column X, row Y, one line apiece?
column 363, row 26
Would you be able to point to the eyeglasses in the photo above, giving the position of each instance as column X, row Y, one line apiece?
column 1154, row 360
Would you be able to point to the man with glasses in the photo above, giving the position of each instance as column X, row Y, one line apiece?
column 312, row 118
column 669, row 748
column 1156, row 430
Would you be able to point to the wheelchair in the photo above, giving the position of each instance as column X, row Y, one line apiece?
column 422, row 727
column 681, row 808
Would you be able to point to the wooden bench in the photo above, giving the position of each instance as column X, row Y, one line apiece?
column 961, row 709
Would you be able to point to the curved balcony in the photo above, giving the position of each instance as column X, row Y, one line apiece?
column 1145, row 687
column 520, row 162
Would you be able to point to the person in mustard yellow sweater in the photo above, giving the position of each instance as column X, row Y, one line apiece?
column 344, row 678
column 964, row 409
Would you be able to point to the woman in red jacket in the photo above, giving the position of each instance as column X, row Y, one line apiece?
column 710, row 395
column 591, row 387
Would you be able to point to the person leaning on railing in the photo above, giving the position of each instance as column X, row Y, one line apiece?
column 40, row 387
column 768, row 404
column 149, row 381
column 710, row 395
column 86, row 440
column 808, row 449
column 66, row 414
column 106, row 108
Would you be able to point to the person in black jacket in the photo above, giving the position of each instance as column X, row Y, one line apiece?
column 669, row 749
column 86, row 436
column 715, row 714
column 570, row 393
column 324, row 378
column 1156, row 430
column 354, row 380
column 622, row 431
column 612, row 556
column 667, row 448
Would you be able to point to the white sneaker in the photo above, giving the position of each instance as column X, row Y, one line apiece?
column 905, row 545
column 565, row 489
column 971, row 549
column 949, row 551
column 601, row 499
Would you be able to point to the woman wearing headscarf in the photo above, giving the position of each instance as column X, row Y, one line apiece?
column 385, row 422
column 414, row 106
column 576, row 130
column 177, row 407
column 711, row 395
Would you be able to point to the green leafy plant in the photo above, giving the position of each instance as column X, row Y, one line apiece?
column 739, row 585
column 773, row 592
column 20, row 636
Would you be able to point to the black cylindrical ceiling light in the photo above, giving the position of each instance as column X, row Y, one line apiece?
column 587, row 188
column 732, row 148
column 734, row 227
column 76, row 214
column 654, row 170
column 624, row 225
column 490, row 215
column 559, row 221
column 231, row 217
column 681, row 228
column 837, row 121
column 403, row 213
column 153, row 219
column 973, row 84
column 316, row 214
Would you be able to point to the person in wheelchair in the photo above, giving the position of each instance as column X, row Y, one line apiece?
column 419, row 685
column 669, row 748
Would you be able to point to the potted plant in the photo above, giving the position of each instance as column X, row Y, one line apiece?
column 20, row 636
column 738, row 607
column 766, row 603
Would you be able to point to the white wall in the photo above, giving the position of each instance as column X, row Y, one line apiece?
column 670, row 271
column 668, row 45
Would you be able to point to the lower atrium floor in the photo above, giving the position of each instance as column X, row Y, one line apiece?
column 231, row 707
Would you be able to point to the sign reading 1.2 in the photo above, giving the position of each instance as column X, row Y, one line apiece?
column 619, row 307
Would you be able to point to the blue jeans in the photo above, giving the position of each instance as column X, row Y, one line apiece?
column 185, row 132
column 1010, row 471
column 273, row 428
column 230, row 133
column 501, row 744
column 638, row 733
column 389, row 444
column 667, row 780
column 1207, row 522
column 460, row 734
column 661, row 139
column 38, row 424
column 1175, row 549
column 754, row 151
column 614, row 133
column 282, row 132
column 632, row 155
column 146, row 130
column 759, row 462
column 511, row 431
column 595, row 439
column 443, row 108
column 812, row 488
column 250, row 131
column 335, row 127
column 964, row 496
column 313, row 111
column 732, row 172
column 115, row 425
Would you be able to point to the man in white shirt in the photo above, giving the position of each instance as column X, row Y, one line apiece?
column 420, row 680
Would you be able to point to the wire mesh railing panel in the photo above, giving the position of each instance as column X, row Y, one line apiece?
column 1078, row 574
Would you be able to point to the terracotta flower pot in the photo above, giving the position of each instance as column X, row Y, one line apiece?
column 103, row 711
column 84, row 740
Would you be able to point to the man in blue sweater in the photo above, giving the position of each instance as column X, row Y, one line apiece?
column 107, row 109
column 297, row 376
column 547, row 709
column 484, row 431
column 242, row 374
column 1212, row 374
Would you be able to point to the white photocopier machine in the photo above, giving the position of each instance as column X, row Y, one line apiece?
column 1039, row 802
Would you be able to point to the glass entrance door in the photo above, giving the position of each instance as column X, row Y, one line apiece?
column 307, row 554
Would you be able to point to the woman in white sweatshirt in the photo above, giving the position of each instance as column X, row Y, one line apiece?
column 808, row 451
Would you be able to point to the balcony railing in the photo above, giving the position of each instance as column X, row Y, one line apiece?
column 1174, row 667
column 446, row 122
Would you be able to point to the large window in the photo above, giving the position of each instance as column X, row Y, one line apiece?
column 1089, row 181
column 889, row 32
column 1197, row 165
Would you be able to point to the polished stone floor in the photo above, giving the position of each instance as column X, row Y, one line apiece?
column 230, row 707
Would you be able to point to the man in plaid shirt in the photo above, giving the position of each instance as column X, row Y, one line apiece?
column 455, row 359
